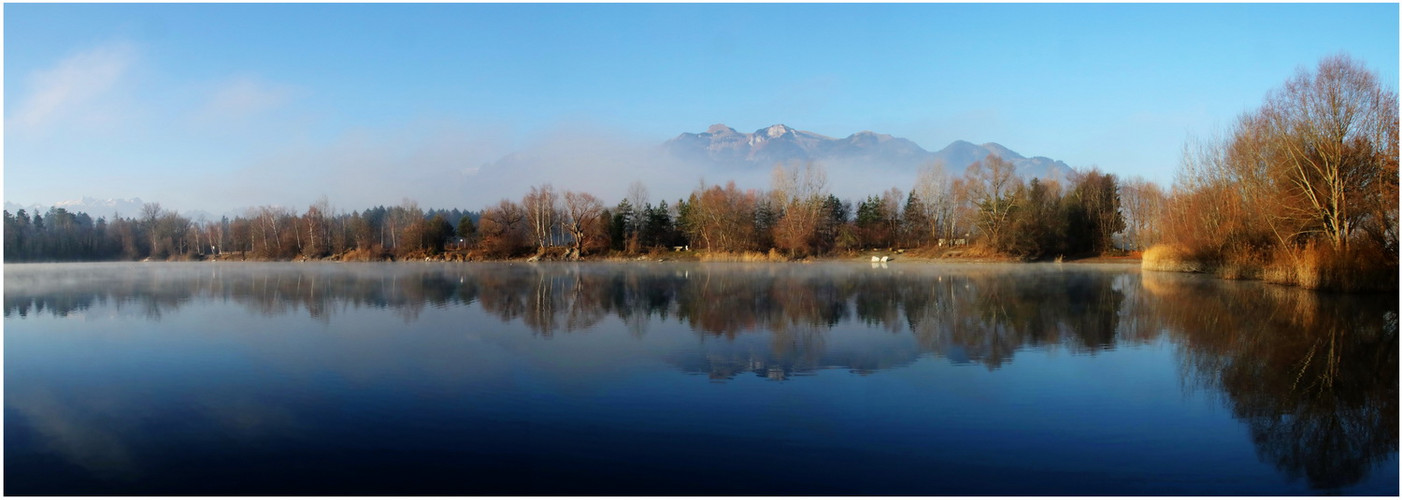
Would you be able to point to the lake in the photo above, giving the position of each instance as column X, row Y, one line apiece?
column 683, row 378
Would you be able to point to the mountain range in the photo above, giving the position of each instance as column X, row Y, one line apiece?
column 724, row 146
column 99, row 208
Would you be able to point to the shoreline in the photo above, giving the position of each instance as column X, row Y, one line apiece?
column 1309, row 271
column 894, row 259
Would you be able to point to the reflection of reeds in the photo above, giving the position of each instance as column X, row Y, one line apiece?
column 1312, row 374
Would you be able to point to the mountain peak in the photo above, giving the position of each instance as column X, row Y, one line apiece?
column 776, row 130
column 1001, row 151
column 781, row 143
column 720, row 128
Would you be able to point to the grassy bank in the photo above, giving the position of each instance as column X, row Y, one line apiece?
column 1314, row 267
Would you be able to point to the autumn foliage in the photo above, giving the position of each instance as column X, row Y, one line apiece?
column 1301, row 191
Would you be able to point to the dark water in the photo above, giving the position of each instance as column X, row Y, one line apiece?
column 650, row 378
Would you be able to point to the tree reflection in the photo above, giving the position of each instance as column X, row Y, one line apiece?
column 1313, row 375
column 988, row 316
column 985, row 315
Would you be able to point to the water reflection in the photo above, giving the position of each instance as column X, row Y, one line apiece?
column 978, row 314
column 1313, row 376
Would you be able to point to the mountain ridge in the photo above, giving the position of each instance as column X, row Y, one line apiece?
column 723, row 146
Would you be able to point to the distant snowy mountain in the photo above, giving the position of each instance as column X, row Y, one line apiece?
column 723, row 146
column 96, row 208
column 103, row 208
column 91, row 206
column 14, row 207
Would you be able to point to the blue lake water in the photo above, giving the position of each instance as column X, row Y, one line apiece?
column 675, row 379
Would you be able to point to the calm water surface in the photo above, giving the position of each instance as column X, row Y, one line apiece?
column 657, row 378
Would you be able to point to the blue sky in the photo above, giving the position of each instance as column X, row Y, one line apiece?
column 217, row 107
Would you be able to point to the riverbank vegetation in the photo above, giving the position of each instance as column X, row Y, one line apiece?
column 1301, row 191
column 986, row 212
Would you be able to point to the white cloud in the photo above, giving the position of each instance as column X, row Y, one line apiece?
column 243, row 97
column 69, row 89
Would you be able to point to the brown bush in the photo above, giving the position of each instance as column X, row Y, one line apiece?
column 772, row 256
column 1175, row 258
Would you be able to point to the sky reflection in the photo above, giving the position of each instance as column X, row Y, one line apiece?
column 120, row 371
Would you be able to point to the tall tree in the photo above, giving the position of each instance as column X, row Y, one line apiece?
column 991, row 184
column 800, row 192
column 1332, row 136
column 582, row 212
column 542, row 214
column 504, row 228
column 915, row 223
column 1094, row 213
column 623, row 232
column 722, row 218
column 1142, row 202
column 935, row 189
column 466, row 230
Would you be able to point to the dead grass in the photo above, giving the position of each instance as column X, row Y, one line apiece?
column 1320, row 267
column 363, row 255
column 978, row 251
column 772, row 256
column 1171, row 258
column 1315, row 267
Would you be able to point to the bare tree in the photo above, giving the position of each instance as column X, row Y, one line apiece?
column 542, row 214
column 891, row 205
column 934, row 188
column 799, row 182
column 317, row 243
column 799, row 192
column 638, row 195
column 1330, row 134
column 991, row 184
column 150, row 216
column 722, row 218
column 503, row 228
column 582, row 212
column 1303, row 188
column 1142, row 202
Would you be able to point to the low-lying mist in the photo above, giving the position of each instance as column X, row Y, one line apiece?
column 455, row 166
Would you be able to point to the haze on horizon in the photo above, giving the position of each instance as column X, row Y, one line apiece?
column 215, row 107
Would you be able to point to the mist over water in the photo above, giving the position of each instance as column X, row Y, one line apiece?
column 658, row 378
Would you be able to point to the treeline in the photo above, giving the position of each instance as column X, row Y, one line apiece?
column 1303, row 190
column 988, row 209
column 268, row 233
